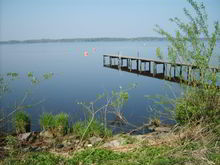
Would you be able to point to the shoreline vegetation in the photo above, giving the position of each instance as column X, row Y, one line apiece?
column 101, row 39
column 193, row 143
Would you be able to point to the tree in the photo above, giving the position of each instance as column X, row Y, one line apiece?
column 194, row 44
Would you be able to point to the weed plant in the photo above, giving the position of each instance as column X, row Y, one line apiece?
column 21, row 122
column 61, row 123
column 96, row 128
column 56, row 123
column 47, row 121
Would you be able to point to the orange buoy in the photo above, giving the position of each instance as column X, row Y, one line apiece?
column 86, row 53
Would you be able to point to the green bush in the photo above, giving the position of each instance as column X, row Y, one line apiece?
column 47, row 121
column 198, row 103
column 21, row 121
column 187, row 47
column 61, row 123
column 96, row 128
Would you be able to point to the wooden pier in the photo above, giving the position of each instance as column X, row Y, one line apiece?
column 156, row 68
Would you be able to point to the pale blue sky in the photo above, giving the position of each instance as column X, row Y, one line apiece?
column 55, row 19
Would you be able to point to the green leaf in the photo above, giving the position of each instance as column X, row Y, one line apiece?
column 30, row 74
column 48, row 75
column 12, row 74
column 34, row 80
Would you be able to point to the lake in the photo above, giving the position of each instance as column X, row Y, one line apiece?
column 80, row 78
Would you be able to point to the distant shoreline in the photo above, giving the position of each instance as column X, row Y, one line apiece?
column 103, row 39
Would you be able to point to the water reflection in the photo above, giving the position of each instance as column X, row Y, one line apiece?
column 161, row 76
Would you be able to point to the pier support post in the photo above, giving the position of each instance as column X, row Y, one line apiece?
column 149, row 66
column 130, row 64
column 110, row 61
column 170, row 71
column 163, row 68
column 140, row 65
column 154, row 69
column 187, row 76
column 137, row 61
column 103, row 60
column 174, row 71
column 181, row 71
column 119, row 62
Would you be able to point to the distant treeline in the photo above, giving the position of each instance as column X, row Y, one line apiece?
column 83, row 40
column 104, row 39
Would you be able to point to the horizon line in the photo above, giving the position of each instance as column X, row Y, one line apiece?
column 88, row 39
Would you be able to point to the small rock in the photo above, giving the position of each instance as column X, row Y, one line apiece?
column 86, row 143
column 50, row 140
column 47, row 134
column 38, row 149
column 44, row 147
column 26, row 149
column 89, row 145
column 25, row 136
column 162, row 129
column 77, row 141
column 72, row 137
column 66, row 143
column 151, row 128
column 114, row 143
column 23, row 145
column 59, row 146
column 32, row 139
column 34, row 148
column 140, row 137
column 94, row 140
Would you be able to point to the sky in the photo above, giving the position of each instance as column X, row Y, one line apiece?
column 57, row 19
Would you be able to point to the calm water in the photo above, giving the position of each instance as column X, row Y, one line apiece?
column 79, row 78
